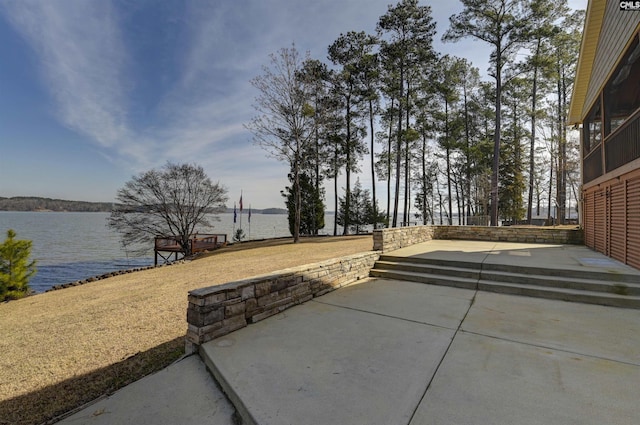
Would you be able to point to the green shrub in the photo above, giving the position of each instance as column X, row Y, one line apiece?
column 15, row 267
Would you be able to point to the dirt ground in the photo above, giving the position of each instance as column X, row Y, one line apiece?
column 61, row 349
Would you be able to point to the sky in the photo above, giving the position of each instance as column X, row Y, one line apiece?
column 93, row 92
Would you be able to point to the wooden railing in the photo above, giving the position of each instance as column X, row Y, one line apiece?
column 623, row 145
column 198, row 242
column 203, row 242
column 620, row 147
column 592, row 168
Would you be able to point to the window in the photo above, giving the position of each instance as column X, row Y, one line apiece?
column 622, row 92
column 593, row 128
column 610, row 129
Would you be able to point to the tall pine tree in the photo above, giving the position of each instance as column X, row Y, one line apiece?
column 406, row 45
column 312, row 207
column 15, row 267
column 362, row 212
column 500, row 23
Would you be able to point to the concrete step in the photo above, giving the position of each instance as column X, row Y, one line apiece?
column 470, row 273
column 431, row 261
column 595, row 285
column 551, row 280
column 604, row 276
column 527, row 270
column 432, row 279
column 564, row 294
column 602, row 289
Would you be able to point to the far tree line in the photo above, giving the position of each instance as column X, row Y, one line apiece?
column 445, row 142
column 29, row 203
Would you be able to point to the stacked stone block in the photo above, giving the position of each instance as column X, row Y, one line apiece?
column 547, row 235
column 391, row 239
column 218, row 310
column 400, row 237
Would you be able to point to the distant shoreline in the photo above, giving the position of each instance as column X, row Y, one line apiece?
column 38, row 204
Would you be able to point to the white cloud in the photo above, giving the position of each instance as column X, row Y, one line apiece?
column 82, row 62
column 86, row 65
column 90, row 54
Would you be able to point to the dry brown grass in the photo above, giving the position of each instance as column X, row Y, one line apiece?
column 64, row 348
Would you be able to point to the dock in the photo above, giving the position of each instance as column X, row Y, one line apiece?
column 166, row 246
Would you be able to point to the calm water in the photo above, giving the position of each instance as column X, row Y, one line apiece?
column 74, row 246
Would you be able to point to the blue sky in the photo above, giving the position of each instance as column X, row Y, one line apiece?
column 95, row 91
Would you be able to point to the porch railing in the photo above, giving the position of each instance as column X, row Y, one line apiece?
column 619, row 148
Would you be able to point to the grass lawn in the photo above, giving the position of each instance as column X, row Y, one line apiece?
column 62, row 349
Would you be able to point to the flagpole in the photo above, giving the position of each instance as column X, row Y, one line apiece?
column 234, row 221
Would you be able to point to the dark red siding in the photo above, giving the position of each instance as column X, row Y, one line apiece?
column 611, row 218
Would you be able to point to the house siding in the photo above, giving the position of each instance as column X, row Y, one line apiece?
column 617, row 29
column 612, row 218
column 611, row 199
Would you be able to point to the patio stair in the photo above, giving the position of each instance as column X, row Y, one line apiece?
column 611, row 289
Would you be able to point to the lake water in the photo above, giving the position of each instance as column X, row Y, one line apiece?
column 70, row 246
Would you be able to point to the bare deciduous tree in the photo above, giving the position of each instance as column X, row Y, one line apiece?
column 166, row 202
column 284, row 124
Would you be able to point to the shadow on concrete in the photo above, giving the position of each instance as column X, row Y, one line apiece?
column 45, row 406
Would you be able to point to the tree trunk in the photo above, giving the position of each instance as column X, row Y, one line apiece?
column 317, row 170
column 347, row 204
column 373, row 170
column 399, row 151
column 298, row 200
column 389, row 142
column 563, row 145
column 468, row 162
column 538, row 199
column 458, row 203
column 440, row 202
column 496, row 139
column 559, row 171
column 532, row 147
column 335, row 189
column 407, row 166
column 424, row 180
column 448, row 159
column 552, row 164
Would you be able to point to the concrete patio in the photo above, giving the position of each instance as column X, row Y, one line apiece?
column 387, row 351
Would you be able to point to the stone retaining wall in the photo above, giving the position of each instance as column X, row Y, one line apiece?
column 548, row 235
column 391, row 239
column 218, row 310
column 400, row 237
